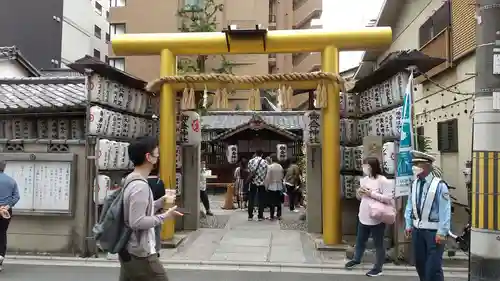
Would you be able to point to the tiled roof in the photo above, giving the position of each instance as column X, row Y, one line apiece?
column 37, row 94
column 288, row 120
column 61, row 72
column 13, row 53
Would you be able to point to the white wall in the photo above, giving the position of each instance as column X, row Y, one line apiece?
column 10, row 68
column 78, row 37
column 102, row 22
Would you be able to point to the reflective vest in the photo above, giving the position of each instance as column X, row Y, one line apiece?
column 422, row 221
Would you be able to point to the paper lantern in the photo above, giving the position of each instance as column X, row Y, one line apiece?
column 190, row 128
column 232, row 154
column 281, row 152
column 102, row 185
column 389, row 157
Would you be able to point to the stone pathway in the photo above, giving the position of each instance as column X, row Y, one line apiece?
column 245, row 241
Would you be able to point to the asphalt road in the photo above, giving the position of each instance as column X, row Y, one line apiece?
column 15, row 272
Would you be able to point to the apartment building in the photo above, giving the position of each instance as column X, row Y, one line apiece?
column 54, row 33
column 159, row 16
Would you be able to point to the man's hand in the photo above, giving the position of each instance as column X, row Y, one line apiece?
column 440, row 239
column 408, row 233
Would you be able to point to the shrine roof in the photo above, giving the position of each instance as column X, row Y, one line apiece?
column 285, row 120
column 39, row 94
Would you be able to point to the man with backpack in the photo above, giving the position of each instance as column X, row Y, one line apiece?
column 128, row 221
column 258, row 171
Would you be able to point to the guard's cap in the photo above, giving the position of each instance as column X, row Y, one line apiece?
column 421, row 157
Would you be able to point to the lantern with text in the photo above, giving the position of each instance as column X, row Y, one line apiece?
column 281, row 152
column 232, row 154
column 178, row 156
column 190, row 128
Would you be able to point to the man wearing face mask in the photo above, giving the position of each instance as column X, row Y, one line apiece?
column 427, row 216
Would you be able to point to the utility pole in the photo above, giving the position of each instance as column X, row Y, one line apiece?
column 485, row 234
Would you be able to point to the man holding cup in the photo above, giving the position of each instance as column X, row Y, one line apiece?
column 139, row 259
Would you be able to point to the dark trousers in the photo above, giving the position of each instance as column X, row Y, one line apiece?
column 204, row 200
column 377, row 233
column 428, row 255
column 4, row 225
column 293, row 195
column 260, row 192
column 134, row 268
column 274, row 203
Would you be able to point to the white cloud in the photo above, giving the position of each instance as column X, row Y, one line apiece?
column 348, row 14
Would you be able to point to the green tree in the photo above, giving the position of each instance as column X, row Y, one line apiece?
column 201, row 18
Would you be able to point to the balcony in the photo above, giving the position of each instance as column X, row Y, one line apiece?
column 438, row 47
column 304, row 11
column 306, row 62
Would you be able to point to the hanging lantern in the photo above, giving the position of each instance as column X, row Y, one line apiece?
column 232, row 154
column 281, row 152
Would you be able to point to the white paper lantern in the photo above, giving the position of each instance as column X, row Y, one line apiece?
column 98, row 121
column 102, row 185
column 178, row 156
column 113, row 155
column 98, row 88
column 349, row 187
column 281, row 152
column 358, row 158
column 312, row 127
column 232, row 153
column 389, row 156
column 190, row 128
column 102, row 153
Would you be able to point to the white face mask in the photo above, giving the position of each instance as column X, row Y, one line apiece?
column 417, row 170
column 367, row 170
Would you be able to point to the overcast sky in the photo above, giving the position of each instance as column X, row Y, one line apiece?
column 339, row 14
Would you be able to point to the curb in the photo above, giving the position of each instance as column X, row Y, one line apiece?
column 241, row 264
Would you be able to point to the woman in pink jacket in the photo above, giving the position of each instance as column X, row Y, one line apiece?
column 373, row 186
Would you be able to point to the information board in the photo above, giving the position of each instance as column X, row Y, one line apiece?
column 43, row 186
column 23, row 173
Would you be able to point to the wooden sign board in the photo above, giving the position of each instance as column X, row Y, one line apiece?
column 372, row 147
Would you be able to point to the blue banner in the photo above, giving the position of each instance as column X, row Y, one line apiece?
column 404, row 173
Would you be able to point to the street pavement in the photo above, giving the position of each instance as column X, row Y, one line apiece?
column 17, row 272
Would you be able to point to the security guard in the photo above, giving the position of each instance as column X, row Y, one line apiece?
column 428, row 216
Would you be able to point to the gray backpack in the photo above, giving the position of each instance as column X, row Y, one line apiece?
column 110, row 232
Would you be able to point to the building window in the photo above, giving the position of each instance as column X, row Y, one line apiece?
column 447, row 132
column 438, row 22
column 107, row 38
column 117, row 29
column 97, row 31
column 420, row 140
column 118, row 63
column 98, row 8
column 117, row 3
column 97, row 54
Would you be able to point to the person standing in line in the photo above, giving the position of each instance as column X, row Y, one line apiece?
column 274, row 187
column 139, row 260
column 9, row 196
column 258, row 170
column 428, row 217
column 158, row 188
column 374, row 186
column 203, row 189
column 241, row 184
column 292, row 184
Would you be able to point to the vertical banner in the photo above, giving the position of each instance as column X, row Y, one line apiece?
column 404, row 173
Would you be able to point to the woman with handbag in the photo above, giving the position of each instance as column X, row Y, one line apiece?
column 376, row 210
column 274, row 187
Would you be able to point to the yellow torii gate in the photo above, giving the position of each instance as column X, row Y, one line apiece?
column 328, row 42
